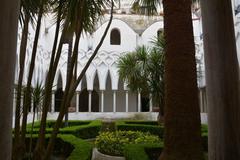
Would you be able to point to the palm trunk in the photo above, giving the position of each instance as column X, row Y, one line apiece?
column 39, row 150
column 8, row 43
column 22, row 55
column 67, row 97
column 69, row 69
column 30, row 143
column 182, row 139
column 222, row 78
column 27, row 105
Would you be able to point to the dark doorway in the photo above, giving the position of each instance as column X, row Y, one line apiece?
column 58, row 99
column 58, row 94
column 145, row 104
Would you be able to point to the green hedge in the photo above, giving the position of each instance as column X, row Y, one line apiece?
column 90, row 129
column 137, row 126
column 87, row 129
column 137, row 151
column 82, row 149
column 154, row 123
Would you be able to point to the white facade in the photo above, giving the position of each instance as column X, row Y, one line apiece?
column 101, row 90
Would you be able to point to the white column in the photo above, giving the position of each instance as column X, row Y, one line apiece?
column 150, row 103
column 77, row 101
column 139, row 101
column 53, row 101
column 102, row 101
column 114, row 101
column 31, row 105
column 126, row 101
column 89, row 101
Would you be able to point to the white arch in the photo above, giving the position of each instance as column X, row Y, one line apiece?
column 114, row 77
column 102, row 72
column 90, row 74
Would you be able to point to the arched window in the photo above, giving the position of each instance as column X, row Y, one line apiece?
column 115, row 37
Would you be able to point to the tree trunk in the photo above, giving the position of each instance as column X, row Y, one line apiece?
column 72, row 89
column 39, row 149
column 22, row 54
column 27, row 105
column 222, row 78
column 182, row 139
column 8, row 43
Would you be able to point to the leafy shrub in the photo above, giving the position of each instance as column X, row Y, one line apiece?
column 155, row 130
column 112, row 143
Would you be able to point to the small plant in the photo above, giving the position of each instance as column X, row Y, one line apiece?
column 113, row 143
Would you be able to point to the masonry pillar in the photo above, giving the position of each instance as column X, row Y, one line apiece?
column 102, row 101
column 77, row 101
column 89, row 101
column 139, row 101
column 53, row 102
column 127, row 101
column 222, row 80
column 114, row 101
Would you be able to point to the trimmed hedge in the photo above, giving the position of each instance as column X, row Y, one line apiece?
column 137, row 151
column 82, row 149
column 154, row 123
column 137, row 126
column 87, row 129
column 90, row 129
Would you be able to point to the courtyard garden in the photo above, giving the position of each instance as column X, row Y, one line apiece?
column 131, row 139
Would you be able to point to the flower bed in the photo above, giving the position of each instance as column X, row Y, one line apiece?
column 113, row 143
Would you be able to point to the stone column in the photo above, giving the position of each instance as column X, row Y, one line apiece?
column 77, row 101
column 31, row 105
column 53, row 102
column 127, row 101
column 89, row 101
column 150, row 103
column 139, row 101
column 222, row 80
column 114, row 101
column 102, row 101
column 8, row 42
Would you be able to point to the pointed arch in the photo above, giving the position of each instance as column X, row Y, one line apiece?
column 59, row 93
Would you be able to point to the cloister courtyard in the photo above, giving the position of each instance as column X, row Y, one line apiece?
column 120, row 80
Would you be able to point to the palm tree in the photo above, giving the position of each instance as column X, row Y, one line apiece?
column 143, row 70
column 80, row 15
column 27, row 14
column 42, row 7
column 222, row 80
column 71, row 88
column 182, row 113
column 37, row 96
column 8, row 43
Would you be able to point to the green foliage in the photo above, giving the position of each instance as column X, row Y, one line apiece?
column 113, row 143
column 82, row 149
column 143, row 70
column 137, row 151
column 140, row 126
column 81, row 129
